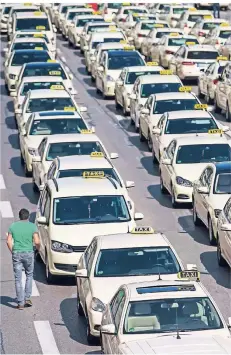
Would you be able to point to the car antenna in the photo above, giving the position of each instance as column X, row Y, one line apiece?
column 177, row 326
column 159, row 278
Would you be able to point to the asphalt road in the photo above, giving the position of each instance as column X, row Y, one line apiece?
column 52, row 324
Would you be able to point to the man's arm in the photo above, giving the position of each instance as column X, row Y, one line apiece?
column 36, row 240
column 9, row 241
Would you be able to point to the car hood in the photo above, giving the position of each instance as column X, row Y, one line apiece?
column 190, row 172
column 15, row 70
column 114, row 73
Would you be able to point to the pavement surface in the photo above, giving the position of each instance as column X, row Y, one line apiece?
column 52, row 325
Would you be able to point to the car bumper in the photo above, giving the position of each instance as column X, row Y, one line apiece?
column 63, row 263
column 95, row 319
column 192, row 73
column 183, row 194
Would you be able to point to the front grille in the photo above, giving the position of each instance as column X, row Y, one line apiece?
column 66, row 267
column 79, row 249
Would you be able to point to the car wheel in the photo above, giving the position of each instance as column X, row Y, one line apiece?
column 228, row 114
column 196, row 220
column 26, row 171
column 49, row 276
column 90, row 338
column 35, row 187
column 200, row 95
column 149, row 142
column 142, row 138
column 79, row 307
column 217, row 109
column 116, row 104
column 212, row 238
column 162, row 187
column 221, row 261
column 125, row 112
column 92, row 79
column 208, row 99
column 173, row 198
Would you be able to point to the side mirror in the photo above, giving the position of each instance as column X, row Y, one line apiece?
column 71, row 76
column 129, row 184
column 226, row 227
column 36, row 159
column 114, row 156
column 85, row 48
column 18, row 111
column 108, row 329
column 119, row 83
column 138, row 216
column 13, row 94
column 133, row 96
column 166, row 161
column 156, row 131
column 83, row 109
column 81, row 273
column 145, row 111
column 42, row 220
column 203, row 190
column 101, row 69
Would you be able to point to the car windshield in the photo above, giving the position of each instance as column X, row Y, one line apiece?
column 137, row 11
column 121, row 61
column 95, row 28
column 65, row 149
column 32, row 35
column 210, row 25
column 50, row 104
column 194, row 18
column 203, row 55
column 57, row 126
column 107, row 40
column 180, row 41
column 66, row 8
column 190, row 125
column 171, row 314
column 147, row 26
column 136, row 261
column 178, row 10
column 49, row 69
column 29, row 45
column 149, row 89
column 32, row 23
column 81, row 22
column 20, row 58
column 203, row 153
column 160, row 34
column 225, row 34
column 38, row 86
column 114, row 5
column 131, row 77
column 79, row 172
column 223, row 183
column 174, row 105
column 90, row 209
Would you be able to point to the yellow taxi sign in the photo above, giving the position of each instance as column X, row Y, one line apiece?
column 189, row 275
column 128, row 48
column 174, row 34
column 40, row 27
column 166, row 72
column 126, row 4
column 28, row 4
column 93, row 174
column 190, row 43
column 51, row 61
column 54, row 72
column 38, row 35
column 37, row 13
column 158, row 25
column 123, row 41
column 192, row 9
column 152, row 64
column 107, row 20
column 86, row 131
column 97, row 155
column 38, row 48
column 112, row 27
column 222, row 58
column 215, row 131
column 56, row 87
column 142, row 230
column 185, row 89
column 201, row 107
column 208, row 17
column 69, row 109
column 224, row 24
column 97, row 12
column 135, row 14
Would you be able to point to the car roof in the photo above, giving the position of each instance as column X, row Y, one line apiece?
column 194, row 140
column 166, row 29
column 19, row 7
column 145, row 79
column 189, row 113
column 32, row 79
column 62, row 138
column 100, row 23
column 201, row 47
column 144, row 68
column 202, row 12
column 30, row 14
column 111, row 45
column 223, row 167
column 42, row 64
column 101, row 35
column 180, row 36
column 174, row 95
column 29, row 39
column 215, row 20
column 44, row 115
column 122, row 52
column 83, row 162
column 88, row 16
column 48, row 93
column 135, row 296
column 225, row 28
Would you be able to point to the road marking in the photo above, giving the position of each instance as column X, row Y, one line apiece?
column 46, row 337
column 6, row 209
column 2, row 183
column 35, row 291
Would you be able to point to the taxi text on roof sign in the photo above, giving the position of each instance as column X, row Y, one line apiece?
column 86, row 131
column 208, row 17
column 123, row 41
column 189, row 275
column 175, row 34
column 190, row 43
column 38, row 48
column 152, row 64
column 28, row 4
column 142, row 230
column 224, row 24
column 40, row 27
column 222, row 58
column 69, row 108
column 201, row 106
column 215, row 131
column 97, row 155
column 93, row 174
column 185, row 88
column 158, row 25
column 55, row 72
column 51, row 61
column 192, row 9
column 128, row 48
column 126, row 4
column 56, row 87
column 38, row 35
column 166, row 72
column 97, row 12
column 112, row 27
column 37, row 13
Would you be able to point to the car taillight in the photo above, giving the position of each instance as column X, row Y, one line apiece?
column 168, row 52
column 185, row 25
column 201, row 34
column 188, row 63
column 217, row 42
column 105, row 11
column 140, row 35
column 215, row 81
column 123, row 19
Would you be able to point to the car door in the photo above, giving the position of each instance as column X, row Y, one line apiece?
column 37, row 166
column 100, row 74
column 161, row 48
column 120, row 89
column 145, row 118
column 132, row 101
column 44, row 211
column 205, row 77
column 174, row 60
column 203, row 199
column 168, row 170
column 117, row 314
column 223, row 87
column 51, row 172
column 156, row 138
column 23, row 138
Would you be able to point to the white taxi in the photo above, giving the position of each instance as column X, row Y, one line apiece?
column 42, row 124
column 143, row 31
column 27, row 43
column 210, row 194
column 218, row 35
column 147, row 85
column 125, row 10
column 75, row 165
column 5, row 16
column 111, row 65
column 64, row 145
column 77, row 209
column 184, row 160
column 207, row 81
column 190, row 60
column 20, row 8
column 188, row 18
column 167, row 47
column 34, row 34
column 222, row 98
column 141, row 255
column 224, row 236
column 203, row 26
column 65, row 23
column 61, row 11
column 174, row 12
column 181, row 308
column 183, row 123
column 17, row 59
column 156, row 31
column 131, row 20
column 76, row 28
column 126, row 80
column 54, row 99
column 157, row 104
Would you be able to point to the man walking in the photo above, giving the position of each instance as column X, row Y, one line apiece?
column 21, row 236
column 216, row 10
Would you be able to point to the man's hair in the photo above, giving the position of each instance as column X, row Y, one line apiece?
column 23, row 214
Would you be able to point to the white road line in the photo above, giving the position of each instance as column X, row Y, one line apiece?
column 46, row 337
column 6, row 209
column 2, row 183
column 35, row 291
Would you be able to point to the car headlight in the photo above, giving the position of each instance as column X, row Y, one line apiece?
column 183, row 182
column 97, row 305
column 12, row 76
column 217, row 213
column 61, row 247
column 109, row 78
column 32, row 151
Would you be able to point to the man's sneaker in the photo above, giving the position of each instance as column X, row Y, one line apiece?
column 20, row 307
column 28, row 303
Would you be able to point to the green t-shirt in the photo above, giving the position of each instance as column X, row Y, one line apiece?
column 22, row 233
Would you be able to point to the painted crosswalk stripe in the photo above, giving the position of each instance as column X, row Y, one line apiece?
column 6, row 209
column 35, row 291
column 2, row 183
column 46, row 337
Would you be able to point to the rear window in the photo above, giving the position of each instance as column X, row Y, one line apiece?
column 131, row 77
column 203, row 55
column 138, row 11
column 210, row 25
column 178, row 10
column 194, row 18
column 147, row 26
column 225, row 34
column 45, row 70
column 81, row 22
column 106, row 40
column 180, row 41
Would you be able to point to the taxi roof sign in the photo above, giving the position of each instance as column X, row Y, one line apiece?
column 51, row 61
column 40, row 27
column 55, row 72
column 27, row 4
column 69, row 109
column 224, row 24
column 152, row 64
column 222, row 58
column 39, row 35
column 38, row 48
column 93, row 174
column 192, row 9
column 97, row 155
column 158, row 25
column 142, row 230
column 128, row 48
column 192, row 275
column 56, row 87
column 190, row 43
column 123, row 41
column 208, row 17
column 38, row 13
column 185, row 88
column 86, row 131
column 215, row 131
column 201, row 107
column 174, row 34
column 166, row 72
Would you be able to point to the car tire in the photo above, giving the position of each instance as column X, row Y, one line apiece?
column 196, row 219
column 163, row 189
column 228, row 114
column 149, row 140
column 173, row 198
column 79, row 307
column 221, row 261
column 217, row 109
column 49, row 276
column 26, row 171
column 212, row 239
column 200, row 95
column 90, row 338
column 142, row 138
column 117, row 105
column 208, row 99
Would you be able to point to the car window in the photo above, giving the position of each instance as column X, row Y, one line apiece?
column 51, row 171
column 116, row 302
column 41, row 148
column 171, row 150
column 91, row 257
column 119, row 312
column 47, row 207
